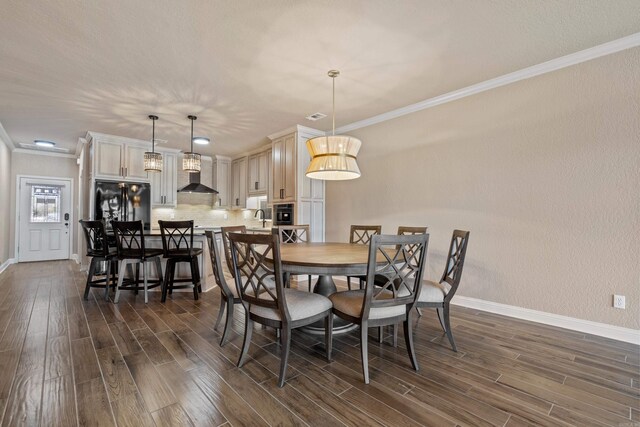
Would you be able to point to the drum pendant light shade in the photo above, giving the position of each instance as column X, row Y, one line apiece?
column 191, row 161
column 153, row 160
column 333, row 157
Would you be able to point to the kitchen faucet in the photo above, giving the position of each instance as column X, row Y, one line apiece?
column 264, row 221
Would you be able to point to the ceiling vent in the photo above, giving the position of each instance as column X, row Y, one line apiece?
column 316, row 116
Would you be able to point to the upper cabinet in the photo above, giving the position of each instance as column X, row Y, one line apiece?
column 290, row 162
column 114, row 159
column 222, row 181
column 239, row 183
column 269, row 155
column 284, row 168
column 290, row 183
column 164, row 185
column 258, row 170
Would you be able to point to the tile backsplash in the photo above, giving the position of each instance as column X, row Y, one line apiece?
column 204, row 216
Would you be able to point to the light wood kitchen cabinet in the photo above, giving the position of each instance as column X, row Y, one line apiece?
column 284, row 168
column 269, row 155
column 312, row 212
column 164, row 185
column 222, row 181
column 290, row 183
column 258, row 171
column 239, row 183
column 117, row 159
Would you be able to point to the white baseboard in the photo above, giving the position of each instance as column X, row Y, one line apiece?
column 586, row 326
column 6, row 264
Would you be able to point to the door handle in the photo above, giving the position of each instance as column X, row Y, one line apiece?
column 256, row 186
column 237, row 202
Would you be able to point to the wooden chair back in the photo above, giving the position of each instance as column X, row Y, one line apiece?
column 227, row 246
column 293, row 233
column 398, row 280
column 455, row 261
column 96, row 238
column 218, row 274
column 129, row 238
column 258, row 271
column 176, row 236
column 361, row 234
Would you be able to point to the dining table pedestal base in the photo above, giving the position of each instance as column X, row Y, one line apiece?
column 326, row 286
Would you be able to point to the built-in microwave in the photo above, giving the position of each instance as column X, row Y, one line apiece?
column 283, row 214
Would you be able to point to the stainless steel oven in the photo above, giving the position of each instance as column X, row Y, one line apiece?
column 283, row 214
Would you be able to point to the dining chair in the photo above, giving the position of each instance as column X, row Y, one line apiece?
column 98, row 249
column 132, row 250
column 227, row 247
column 177, row 247
column 402, row 231
column 228, row 294
column 258, row 266
column 361, row 234
column 399, row 260
column 438, row 295
column 293, row 234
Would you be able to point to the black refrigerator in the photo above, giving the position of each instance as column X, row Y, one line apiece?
column 123, row 201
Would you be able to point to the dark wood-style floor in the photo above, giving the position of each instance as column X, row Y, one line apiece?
column 64, row 361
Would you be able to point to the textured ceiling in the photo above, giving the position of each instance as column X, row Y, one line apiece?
column 249, row 68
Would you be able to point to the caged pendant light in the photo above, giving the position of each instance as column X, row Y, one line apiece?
column 333, row 157
column 153, row 160
column 191, row 161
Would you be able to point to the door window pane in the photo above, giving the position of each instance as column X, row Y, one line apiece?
column 45, row 203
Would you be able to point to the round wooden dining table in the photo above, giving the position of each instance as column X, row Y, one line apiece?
column 325, row 260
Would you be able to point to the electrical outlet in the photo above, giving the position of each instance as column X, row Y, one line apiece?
column 172, row 216
column 226, row 216
column 618, row 301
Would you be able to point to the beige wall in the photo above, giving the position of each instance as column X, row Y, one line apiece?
column 545, row 173
column 6, row 250
column 39, row 165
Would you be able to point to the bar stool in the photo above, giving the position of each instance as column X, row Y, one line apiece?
column 99, row 251
column 177, row 246
column 131, row 250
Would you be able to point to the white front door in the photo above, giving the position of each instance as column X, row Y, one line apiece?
column 44, row 219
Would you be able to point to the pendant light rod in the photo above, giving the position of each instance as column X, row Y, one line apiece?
column 333, row 74
column 153, row 132
column 192, row 118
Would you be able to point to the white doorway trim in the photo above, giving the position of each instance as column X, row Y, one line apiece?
column 16, row 242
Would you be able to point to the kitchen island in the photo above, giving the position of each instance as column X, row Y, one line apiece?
column 153, row 239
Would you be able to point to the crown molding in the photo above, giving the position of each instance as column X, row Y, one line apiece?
column 284, row 132
column 44, row 153
column 4, row 137
column 579, row 57
column 296, row 128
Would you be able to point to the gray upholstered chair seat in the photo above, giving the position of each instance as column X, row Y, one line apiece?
column 350, row 303
column 433, row 291
column 300, row 304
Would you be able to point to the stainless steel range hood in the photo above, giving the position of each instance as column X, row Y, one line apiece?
column 194, row 186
